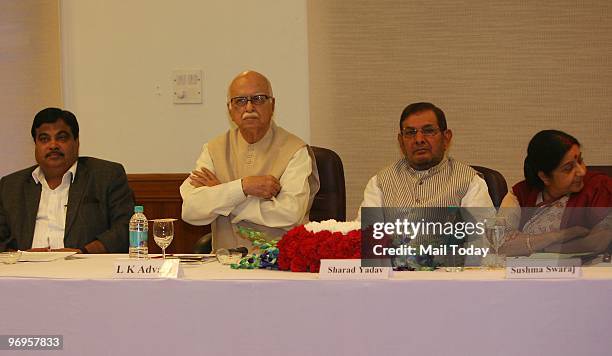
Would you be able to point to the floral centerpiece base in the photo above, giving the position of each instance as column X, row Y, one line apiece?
column 302, row 248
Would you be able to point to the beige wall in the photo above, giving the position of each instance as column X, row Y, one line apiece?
column 500, row 70
column 29, row 74
column 118, row 58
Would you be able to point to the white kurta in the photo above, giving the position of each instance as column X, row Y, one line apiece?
column 203, row 205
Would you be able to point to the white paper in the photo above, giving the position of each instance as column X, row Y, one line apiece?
column 528, row 268
column 125, row 268
column 351, row 270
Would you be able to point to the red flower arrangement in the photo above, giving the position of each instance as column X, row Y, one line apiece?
column 301, row 250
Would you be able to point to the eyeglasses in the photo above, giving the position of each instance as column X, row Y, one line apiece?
column 428, row 131
column 255, row 99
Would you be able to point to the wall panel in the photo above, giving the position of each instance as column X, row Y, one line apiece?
column 501, row 71
column 29, row 74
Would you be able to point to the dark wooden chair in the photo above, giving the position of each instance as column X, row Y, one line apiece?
column 495, row 182
column 330, row 201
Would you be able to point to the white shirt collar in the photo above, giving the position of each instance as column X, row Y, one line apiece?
column 38, row 174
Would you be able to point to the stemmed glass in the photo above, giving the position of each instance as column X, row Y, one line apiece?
column 163, row 233
column 495, row 232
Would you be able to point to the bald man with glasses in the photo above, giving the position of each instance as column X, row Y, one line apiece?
column 256, row 175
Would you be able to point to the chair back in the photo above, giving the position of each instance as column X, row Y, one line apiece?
column 604, row 169
column 330, row 201
column 495, row 182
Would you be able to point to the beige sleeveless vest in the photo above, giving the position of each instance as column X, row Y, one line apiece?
column 442, row 185
column 234, row 158
column 403, row 188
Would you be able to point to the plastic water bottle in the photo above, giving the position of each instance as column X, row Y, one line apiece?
column 139, row 234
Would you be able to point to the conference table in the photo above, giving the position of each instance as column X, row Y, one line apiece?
column 215, row 310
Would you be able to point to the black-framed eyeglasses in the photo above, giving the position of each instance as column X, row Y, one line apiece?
column 428, row 131
column 258, row 99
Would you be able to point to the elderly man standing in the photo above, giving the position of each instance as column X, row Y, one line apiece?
column 257, row 175
column 66, row 202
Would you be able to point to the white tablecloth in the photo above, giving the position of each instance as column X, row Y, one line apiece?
column 218, row 311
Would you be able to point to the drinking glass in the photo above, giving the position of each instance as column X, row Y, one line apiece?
column 495, row 234
column 163, row 233
column 228, row 257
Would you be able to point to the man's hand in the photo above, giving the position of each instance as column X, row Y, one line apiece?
column 264, row 187
column 203, row 177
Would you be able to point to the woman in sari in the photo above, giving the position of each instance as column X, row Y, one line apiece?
column 560, row 206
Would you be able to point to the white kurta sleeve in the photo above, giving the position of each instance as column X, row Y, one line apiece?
column 477, row 195
column 478, row 201
column 372, row 196
column 289, row 206
column 202, row 205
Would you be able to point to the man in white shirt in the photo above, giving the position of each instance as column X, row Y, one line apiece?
column 256, row 175
column 426, row 176
column 66, row 202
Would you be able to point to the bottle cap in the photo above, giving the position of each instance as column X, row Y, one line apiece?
column 138, row 209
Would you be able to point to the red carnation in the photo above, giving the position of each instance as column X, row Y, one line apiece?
column 301, row 250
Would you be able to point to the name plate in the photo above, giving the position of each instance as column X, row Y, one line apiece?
column 146, row 268
column 351, row 269
column 525, row 268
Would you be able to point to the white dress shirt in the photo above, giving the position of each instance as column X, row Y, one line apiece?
column 51, row 216
column 202, row 205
